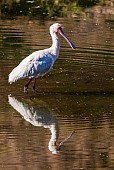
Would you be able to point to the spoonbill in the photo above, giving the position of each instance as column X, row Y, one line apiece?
column 39, row 62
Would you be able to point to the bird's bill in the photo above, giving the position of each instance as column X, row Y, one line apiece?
column 65, row 37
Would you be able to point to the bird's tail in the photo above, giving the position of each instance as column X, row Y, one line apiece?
column 15, row 75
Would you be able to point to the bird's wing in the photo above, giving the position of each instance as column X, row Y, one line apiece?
column 38, row 63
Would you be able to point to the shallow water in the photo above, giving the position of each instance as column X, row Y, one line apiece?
column 68, row 123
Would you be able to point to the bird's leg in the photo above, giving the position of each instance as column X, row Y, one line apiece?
column 26, row 85
column 34, row 84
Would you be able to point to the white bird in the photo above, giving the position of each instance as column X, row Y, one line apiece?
column 39, row 62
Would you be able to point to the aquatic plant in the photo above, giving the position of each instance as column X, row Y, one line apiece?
column 46, row 8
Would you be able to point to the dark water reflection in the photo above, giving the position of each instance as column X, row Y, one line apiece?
column 27, row 145
column 77, row 95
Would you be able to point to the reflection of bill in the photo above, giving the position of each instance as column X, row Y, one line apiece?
column 40, row 116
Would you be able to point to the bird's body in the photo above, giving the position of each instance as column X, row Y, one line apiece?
column 39, row 62
column 36, row 64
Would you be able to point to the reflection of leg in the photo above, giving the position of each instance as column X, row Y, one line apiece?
column 26, row 85
column 34, row 85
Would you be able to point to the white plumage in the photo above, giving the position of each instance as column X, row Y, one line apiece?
column 32, row 66
column 40, row 62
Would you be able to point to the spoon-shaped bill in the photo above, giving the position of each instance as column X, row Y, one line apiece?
column 65, row 37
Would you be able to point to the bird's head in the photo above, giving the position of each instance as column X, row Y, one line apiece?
column 56, row 28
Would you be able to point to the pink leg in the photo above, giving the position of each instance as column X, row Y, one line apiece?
column 26, row 85
column 34, row 85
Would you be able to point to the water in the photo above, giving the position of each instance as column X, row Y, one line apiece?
column 73, row 106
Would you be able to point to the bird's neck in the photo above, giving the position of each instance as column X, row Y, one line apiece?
column 55, row 45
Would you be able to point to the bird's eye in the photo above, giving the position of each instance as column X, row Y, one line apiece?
column 59, row 29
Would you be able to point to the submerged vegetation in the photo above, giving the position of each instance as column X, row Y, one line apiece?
column 46, row 8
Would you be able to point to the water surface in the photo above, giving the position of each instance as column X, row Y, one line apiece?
column 73, row 105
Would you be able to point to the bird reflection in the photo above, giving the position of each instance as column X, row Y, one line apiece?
column 40, row 116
